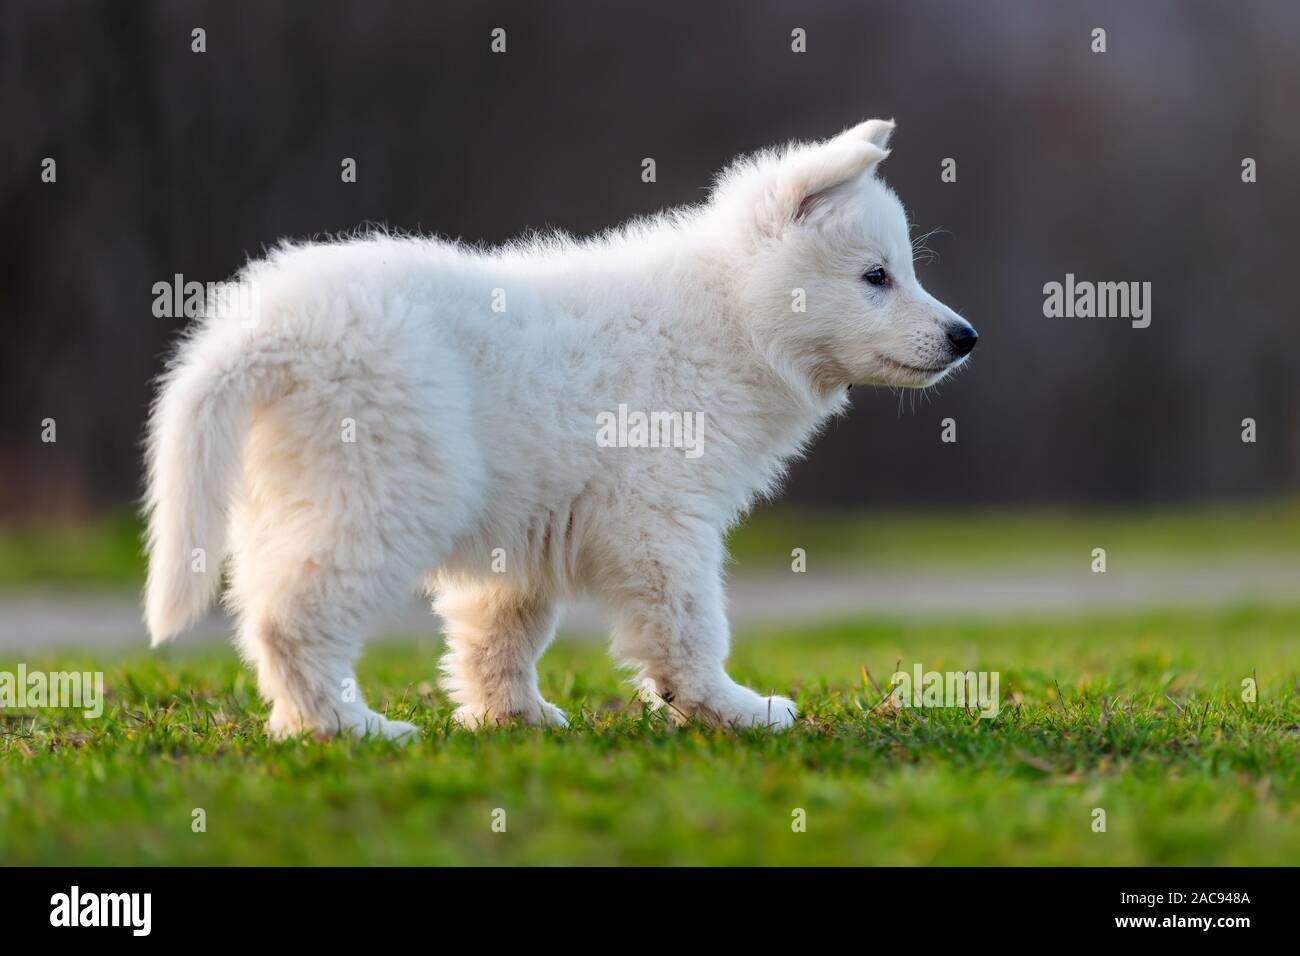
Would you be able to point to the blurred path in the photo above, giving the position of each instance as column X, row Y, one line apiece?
column 34, row 621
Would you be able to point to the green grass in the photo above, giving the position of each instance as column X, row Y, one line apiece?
column 1138, row 714
column 107, row 553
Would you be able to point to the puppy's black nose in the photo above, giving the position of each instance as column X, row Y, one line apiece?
column 962, row 339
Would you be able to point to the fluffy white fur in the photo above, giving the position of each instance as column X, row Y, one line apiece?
column 475, row 430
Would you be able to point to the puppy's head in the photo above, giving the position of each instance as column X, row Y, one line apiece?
column 826, row 278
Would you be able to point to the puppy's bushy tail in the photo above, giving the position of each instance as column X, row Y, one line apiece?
column 195, row 452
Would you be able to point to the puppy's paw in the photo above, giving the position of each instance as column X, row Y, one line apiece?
column 775, row 713
column 398, row 730
column 287, row 722
column 731, row 706
column 541, row 713
column 742, row 707
column 284, row 723
column 553, row 716
column 371, row 724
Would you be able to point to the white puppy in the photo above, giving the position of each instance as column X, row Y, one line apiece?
column 407, row 410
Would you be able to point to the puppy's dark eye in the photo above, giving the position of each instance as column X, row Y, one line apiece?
column 877, row 276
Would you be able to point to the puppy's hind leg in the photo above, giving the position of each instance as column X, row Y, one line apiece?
column 303, row 634
column 354, row 482
column 311, row 690
column 310, row 576
column 495, row 636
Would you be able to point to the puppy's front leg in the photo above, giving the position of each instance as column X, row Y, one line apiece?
column 671, row 623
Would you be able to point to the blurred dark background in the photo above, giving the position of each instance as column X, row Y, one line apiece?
column 1122, row 166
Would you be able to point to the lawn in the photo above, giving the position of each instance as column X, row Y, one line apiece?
column 106, row 553
column 1168, row 535
column 1138, row 715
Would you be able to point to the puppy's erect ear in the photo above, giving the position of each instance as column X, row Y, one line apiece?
column 876, row 132
column 804, row 176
